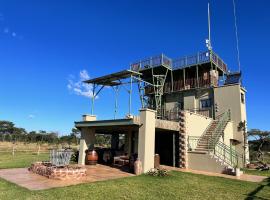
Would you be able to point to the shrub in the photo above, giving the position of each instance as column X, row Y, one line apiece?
column 75, row 156
column 158, row 172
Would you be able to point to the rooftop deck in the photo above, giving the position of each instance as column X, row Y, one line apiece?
column 180, row 63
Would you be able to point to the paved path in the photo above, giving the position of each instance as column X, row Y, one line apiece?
column 31, row 181
column 244, row 177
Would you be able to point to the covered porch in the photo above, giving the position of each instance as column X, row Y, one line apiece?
column 131, row 138
column 122, row 149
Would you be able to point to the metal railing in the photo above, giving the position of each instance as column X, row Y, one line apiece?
column 220, row 150
column 222, row 120
column 174, row 114
column 199, row 58
column 178, row 63
column 155, row 61
column 213, row 144
column 60, row 157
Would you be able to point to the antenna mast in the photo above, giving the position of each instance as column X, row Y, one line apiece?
column 208, row 41
column 236, row 36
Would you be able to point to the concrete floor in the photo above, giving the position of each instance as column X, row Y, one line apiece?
column 243, row 177
column 31, row 181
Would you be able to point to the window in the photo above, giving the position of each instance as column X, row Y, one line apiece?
column 242, row 98
column 180, row 105
column 205, row 103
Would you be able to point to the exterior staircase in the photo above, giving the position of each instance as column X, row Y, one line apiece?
column 209, row 153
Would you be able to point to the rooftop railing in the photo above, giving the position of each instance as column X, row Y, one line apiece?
column 199, row 58
column 179, row 63
column 155, row 61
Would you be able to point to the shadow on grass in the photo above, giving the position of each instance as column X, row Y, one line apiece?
column 252, row 195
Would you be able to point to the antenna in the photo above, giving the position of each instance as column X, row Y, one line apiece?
column 236, row 36
column 208, row 41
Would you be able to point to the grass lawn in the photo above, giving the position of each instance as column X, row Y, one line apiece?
column 20, row 159
column 257, row 172
column 178, row 185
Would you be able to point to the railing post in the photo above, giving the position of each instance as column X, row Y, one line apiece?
column 231, row 155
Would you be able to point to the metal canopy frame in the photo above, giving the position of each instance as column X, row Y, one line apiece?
column 152, row 72
column 114, row 80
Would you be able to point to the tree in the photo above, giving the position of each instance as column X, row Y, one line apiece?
column 243, row 127
column 261, row 137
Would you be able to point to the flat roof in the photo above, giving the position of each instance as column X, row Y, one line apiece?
column 111, row 122
column 113, row 79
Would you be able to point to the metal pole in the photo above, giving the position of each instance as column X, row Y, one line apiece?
column 130, row 96
column 93, row 99
column 197, row 75
column 209, row 29
column 116, row 100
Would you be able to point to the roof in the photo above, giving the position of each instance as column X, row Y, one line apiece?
column 113, row 79
column 99, row 123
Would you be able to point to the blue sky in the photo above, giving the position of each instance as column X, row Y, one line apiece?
column 46, row 45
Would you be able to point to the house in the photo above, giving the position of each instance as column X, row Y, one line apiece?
column 191, row 108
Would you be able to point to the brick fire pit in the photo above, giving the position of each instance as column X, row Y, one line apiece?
column 60, row 173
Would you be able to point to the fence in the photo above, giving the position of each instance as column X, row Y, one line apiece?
column 35, row 148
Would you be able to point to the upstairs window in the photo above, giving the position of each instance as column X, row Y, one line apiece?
column 242, row 98
column 205, row 103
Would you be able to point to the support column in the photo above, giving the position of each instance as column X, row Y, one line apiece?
column 115, row 141
column 82, row 154
column 146, row 146
column 87, row 142
column 183, row 162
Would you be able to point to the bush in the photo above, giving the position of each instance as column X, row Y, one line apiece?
column 158, row 172
column 75, row 156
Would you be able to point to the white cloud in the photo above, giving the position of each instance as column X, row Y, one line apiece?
column 31, row 116
column 78, row 87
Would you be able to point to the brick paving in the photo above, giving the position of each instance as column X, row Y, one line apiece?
column 31, row 181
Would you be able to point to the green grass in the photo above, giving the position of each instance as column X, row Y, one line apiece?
column 178, row 185
column 20, row 159
column 257, row 172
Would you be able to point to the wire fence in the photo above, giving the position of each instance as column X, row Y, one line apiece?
column 33, row 148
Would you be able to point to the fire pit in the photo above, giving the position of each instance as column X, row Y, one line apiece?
column 58, row 167
column 55, row 172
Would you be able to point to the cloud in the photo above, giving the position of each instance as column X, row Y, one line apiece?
column 31, row 116
column 78, row 87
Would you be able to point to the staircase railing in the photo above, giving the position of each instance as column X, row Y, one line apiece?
column 219, row 149
column 222, row 151
column 222, row 120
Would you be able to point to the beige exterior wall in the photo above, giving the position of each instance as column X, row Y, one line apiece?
column 228, row 134
column 229, row 97
column 196, row 124
column 189, row 102
column 146, row 146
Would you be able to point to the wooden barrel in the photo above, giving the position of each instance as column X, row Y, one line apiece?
column 92, row 157
column 156, row 161
column 138, row 167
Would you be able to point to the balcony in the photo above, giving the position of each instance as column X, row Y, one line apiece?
column 152, row 62
column 190, row 83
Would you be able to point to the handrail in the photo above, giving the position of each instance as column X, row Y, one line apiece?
column 223, row 119
column 222, row 151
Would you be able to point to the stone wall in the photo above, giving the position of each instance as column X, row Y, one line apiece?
column 59, row 173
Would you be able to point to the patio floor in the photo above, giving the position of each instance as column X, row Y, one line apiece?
column 243, row 177
column 31, row 181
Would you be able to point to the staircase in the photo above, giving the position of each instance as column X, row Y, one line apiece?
column 208, row 149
